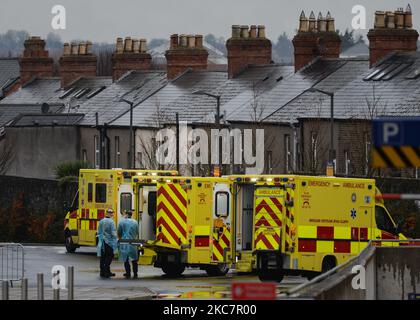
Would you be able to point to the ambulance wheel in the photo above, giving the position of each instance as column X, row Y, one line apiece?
column 70, row 247
column 269, row 274
column 328, row 263
column 218, row 270
column 173, row 270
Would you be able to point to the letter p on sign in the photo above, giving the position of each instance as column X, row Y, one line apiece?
column 390, row 130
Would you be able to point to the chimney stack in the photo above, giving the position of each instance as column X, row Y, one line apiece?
column 392, row 32
column 77, row 61
column 186, row 51
column 35, row 60
column 130, row 54
column 315, row 38
column 247, row 46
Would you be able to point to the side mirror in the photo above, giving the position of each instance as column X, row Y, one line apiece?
column 400, row 225
column 66, row 206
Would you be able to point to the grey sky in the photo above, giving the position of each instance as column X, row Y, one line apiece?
column 104, row 20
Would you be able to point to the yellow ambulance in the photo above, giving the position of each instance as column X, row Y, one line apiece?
column 99, row 190
column 305, row 224
column 193, row 226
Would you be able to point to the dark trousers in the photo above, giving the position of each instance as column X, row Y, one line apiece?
column 128, row 269
column 106, row 259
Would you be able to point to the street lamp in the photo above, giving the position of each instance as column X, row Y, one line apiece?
column 217, row 119
column 130, row 160
column 331, row 154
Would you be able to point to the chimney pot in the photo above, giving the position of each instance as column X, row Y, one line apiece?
column 236, row 31
column 119, row 47
column 143, row 45
column 174, row 41
column 380, row 20
column 330, row 23
column 312, row 22
column 199, row 41
column 322, row 23
column 82, row 48
column 253, row 32
column 136, row 45
column 408, row 18
column 261, row 32
column 89, row 47
column 303, row 23
column 399, row 18
column 66, row 49
column 244, row 31
column 390, row 20
column 74, row 48
column 191, row 41
column 128, row 45
column 183, row 40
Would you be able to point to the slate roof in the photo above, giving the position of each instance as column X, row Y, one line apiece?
column 9, row 72
column 134, row 86
column 8, row 112
column 47, row 90
column 176, row 96
column 389, row 88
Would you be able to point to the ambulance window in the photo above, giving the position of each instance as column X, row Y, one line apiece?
column 100, row 193
column 126, row 202
column 90, row 192
column 151, row 203
column 222, row 204
column 383, row 221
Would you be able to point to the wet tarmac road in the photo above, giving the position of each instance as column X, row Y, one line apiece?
column 194, row 283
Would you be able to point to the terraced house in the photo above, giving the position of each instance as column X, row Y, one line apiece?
column 81, row 116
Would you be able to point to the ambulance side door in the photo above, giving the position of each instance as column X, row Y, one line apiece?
column 125, row 200
column 221, row 229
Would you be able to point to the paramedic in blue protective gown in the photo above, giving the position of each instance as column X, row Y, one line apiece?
column 128, row 229
column 107, row 243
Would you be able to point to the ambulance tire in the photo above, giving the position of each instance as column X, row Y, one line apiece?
column 70, row 247
column 328, row 263
column 265, row 274
column 173, row 270
column 218, row 270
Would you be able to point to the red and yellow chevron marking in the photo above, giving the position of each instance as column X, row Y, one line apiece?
column 171, row 214
column 289, row 225
column 268, row 212
column 220, row 243
column 267, row 238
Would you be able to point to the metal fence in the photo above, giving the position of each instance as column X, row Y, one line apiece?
column 12, row 262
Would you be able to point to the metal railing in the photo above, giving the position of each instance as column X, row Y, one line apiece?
column 12, row 262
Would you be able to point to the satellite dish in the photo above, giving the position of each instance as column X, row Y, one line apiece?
column 45, row 108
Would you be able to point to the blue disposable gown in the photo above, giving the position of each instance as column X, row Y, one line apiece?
column 107, row 233
column 128, row 229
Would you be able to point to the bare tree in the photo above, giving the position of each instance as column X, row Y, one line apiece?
column 257, row 116
column 148, row 143
column 315, row 142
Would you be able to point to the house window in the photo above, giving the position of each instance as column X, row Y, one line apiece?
column 97, row 152
column 100, row 193
column 287, row 153
column 117, row 152
column 84, row 155
column 222, row 204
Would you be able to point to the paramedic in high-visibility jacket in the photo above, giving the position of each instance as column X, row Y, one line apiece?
column 128, row 229
column 107, row 243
